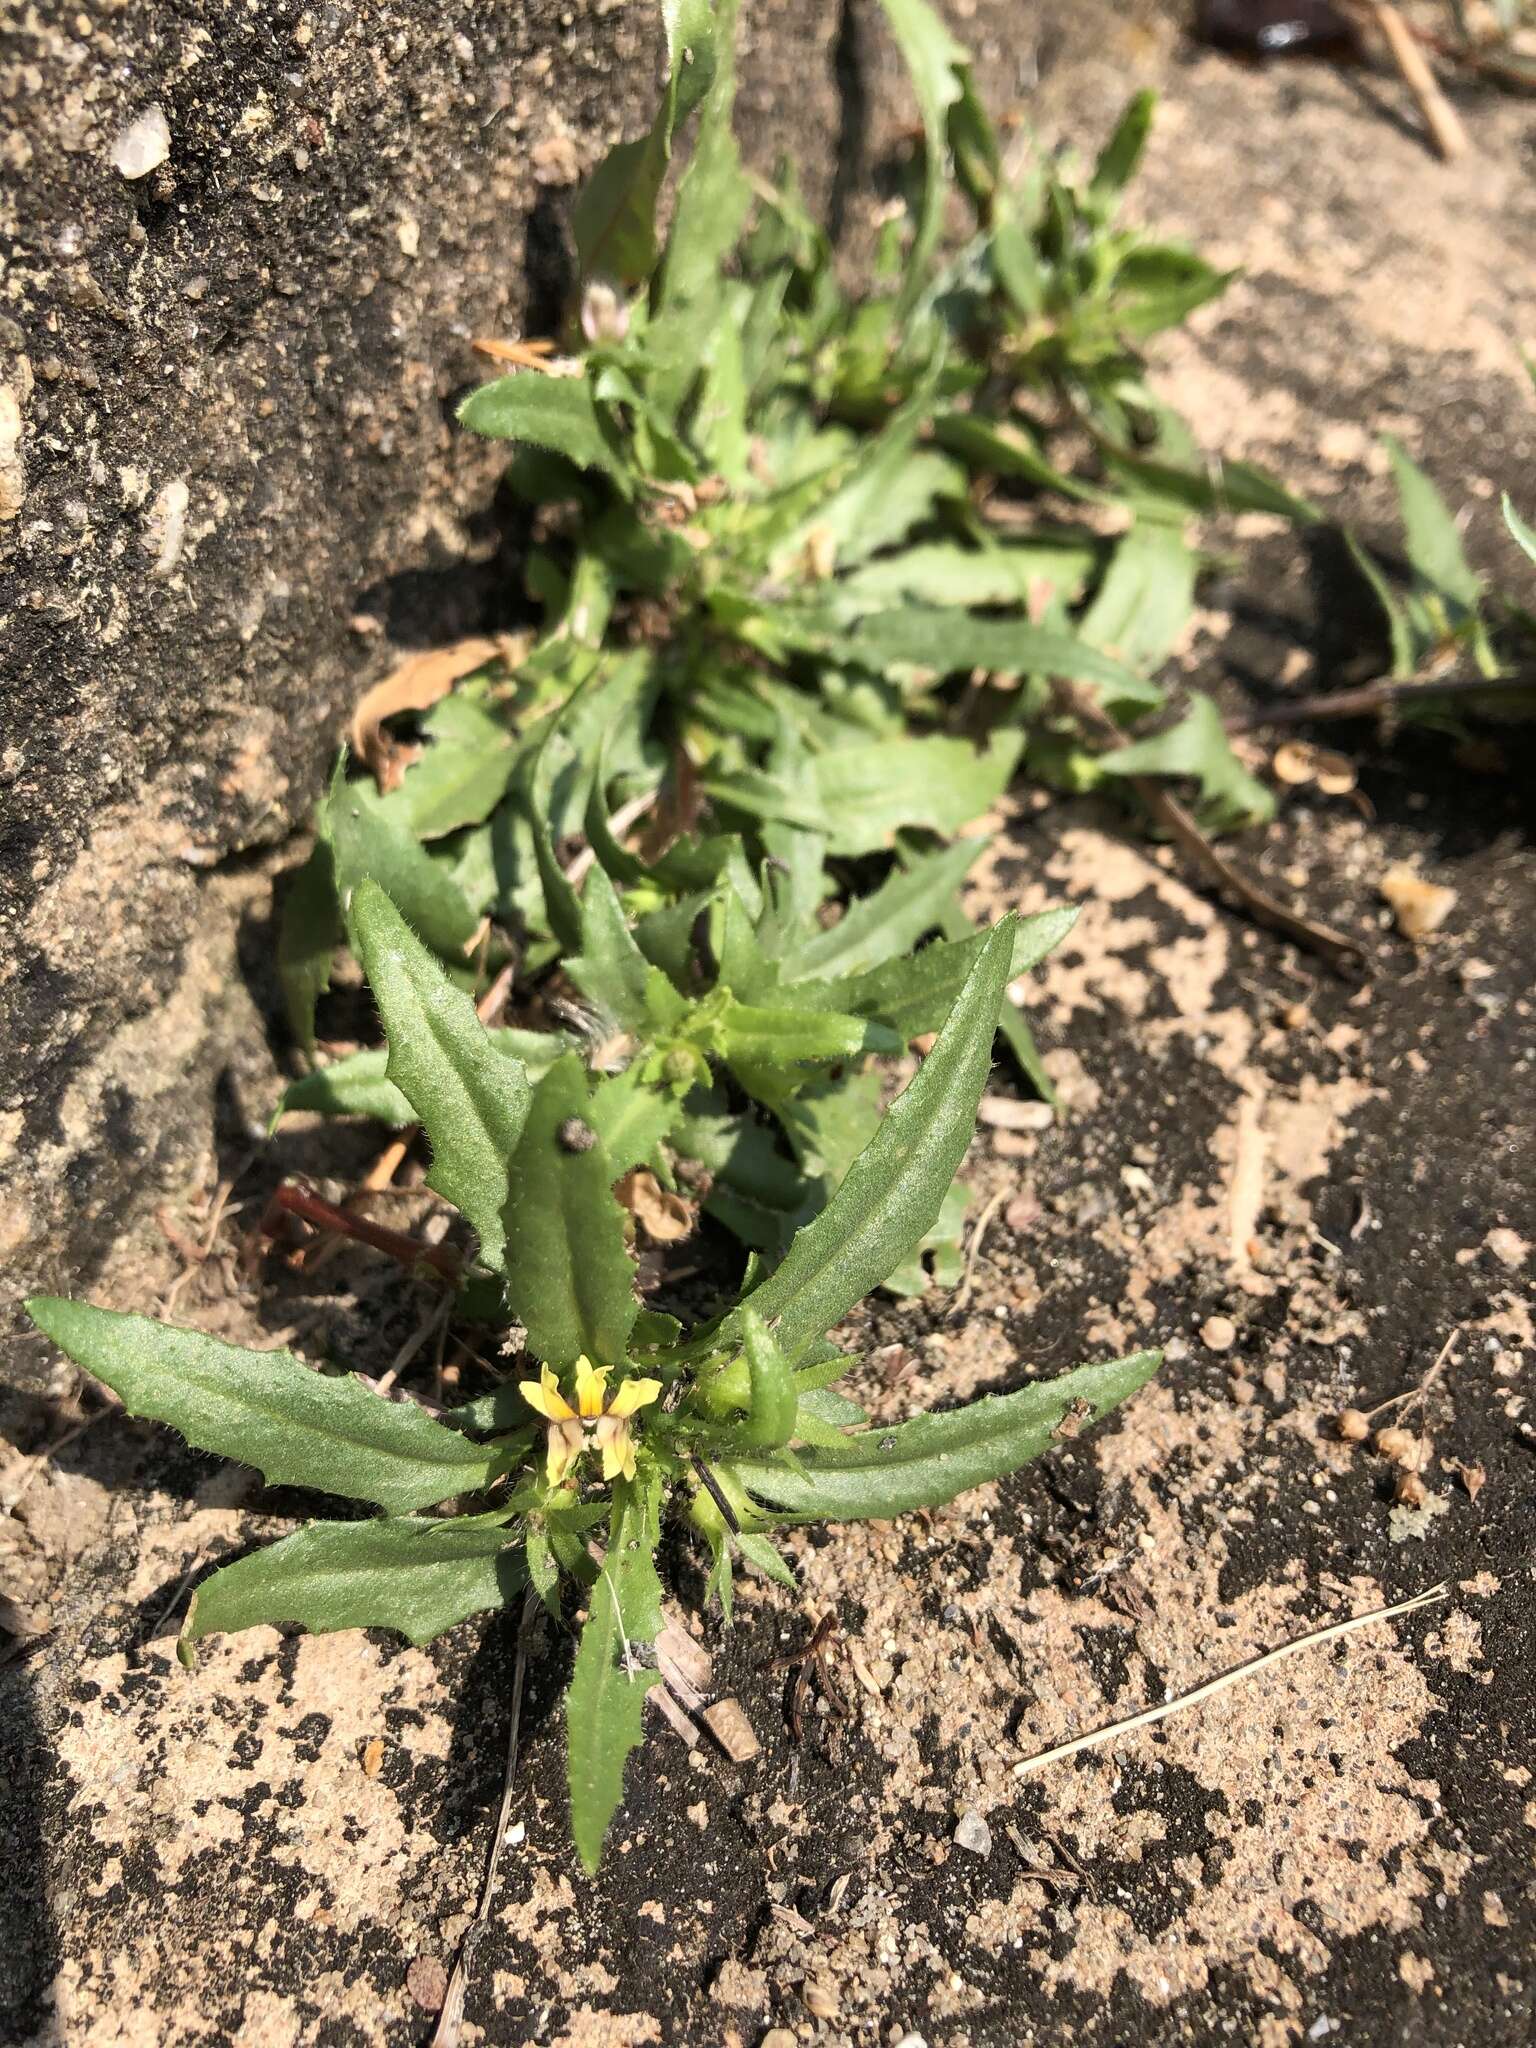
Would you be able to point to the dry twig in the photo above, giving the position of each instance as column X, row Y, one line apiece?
column 1440, row 117
column 1380, row 698
column 968, row 1282
column 1212, row 1686
column 451, row 2019
column 1342, row 954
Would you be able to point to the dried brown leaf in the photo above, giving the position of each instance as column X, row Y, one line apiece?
column 665, row 1217
column 415, row 685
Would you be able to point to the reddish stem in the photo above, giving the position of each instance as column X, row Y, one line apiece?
column 290, row 1200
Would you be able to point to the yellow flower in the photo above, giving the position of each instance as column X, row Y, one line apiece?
column 605, row 1421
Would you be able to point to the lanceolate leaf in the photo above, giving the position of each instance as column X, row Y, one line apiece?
column 1198, row 747
column 470, row 1099
column 550, row 412
column 1145, row 600
column 308, row 935
column 862, row 795
column 934, row 1457
column 784, row 1036
column 610, row 969
column 946, row 641
column 1400, row 636
column 569, row 1278
column 914, row 995
column 630, row 1118
column 1122, row 153
column 936, row 63
column 1433, row 538
column 265, row 1408
column 417, row 1576
column 372, row 841
column 892, row 1194
column 888, row 924
column 614, row 218
column 713, row 194
column 1518, row 528
column 607, row 1697
column 357, row 1085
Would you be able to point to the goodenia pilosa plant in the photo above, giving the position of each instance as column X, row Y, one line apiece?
column 733, row 1426
column 781, row 633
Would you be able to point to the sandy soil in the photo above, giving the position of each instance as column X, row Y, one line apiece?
column 1299, row 1187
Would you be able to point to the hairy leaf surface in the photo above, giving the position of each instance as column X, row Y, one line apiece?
column 267, row 1409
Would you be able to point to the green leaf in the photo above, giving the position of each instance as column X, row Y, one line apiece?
column 631, row 1118
column 946, row 641
column 914, row 996
column 1216, row 485
column 747, row 1033
column 1147, row 596
column 605, row 1705
column 610, row 970
column 932, row 1458
column 308, row 935
column 862, row 795
column 1002, row 448
column 713, row 195
column 267, row 1409
column 888, row 924
column 1017, row 1036
column 760, row 1553
column 559, row 413
column 1198, row 747
column 569, row 1278
column 356, row 1085
column 614, row 217
column 936, row 64
column 1522, row 533
column 945, row 573
column 769, row 1390
column 463, row 774
column 1156, row 288
column 1400, row 634
column 1431, row 535
column 373, row 841
column 543, row 1571
column 1123, row 151
column 417, row 1576
column 470, row 1099
column 893, row 1192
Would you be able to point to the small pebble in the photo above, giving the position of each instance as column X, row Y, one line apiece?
column 1218, row 1333
column 972, row 1832
column 144, row 145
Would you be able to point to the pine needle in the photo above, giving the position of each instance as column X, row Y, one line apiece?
column 1213, row 1686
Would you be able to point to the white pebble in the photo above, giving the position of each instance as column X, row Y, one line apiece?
column 144, row 145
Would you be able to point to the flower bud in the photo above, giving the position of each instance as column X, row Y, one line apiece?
column 604, row 314
column 1398, row 1444
column 1410, row 1490
column 1352, row 1426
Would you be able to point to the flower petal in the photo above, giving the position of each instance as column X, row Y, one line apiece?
column 591, row 1388
column 544, row 1395
column 633, row 1394
column 565, row 1444
column 618, row 1449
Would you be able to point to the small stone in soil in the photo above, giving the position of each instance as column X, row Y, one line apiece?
column 972, row 1833
column 1218, row 1333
